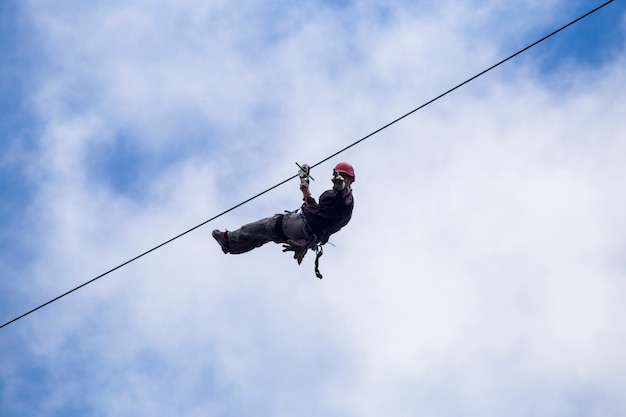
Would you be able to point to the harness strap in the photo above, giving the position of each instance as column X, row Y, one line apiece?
column 278, row 227
column 316, row 245
column 313, row 242
column 318, row 254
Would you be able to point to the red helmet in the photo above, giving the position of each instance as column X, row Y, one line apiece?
column 345, row 168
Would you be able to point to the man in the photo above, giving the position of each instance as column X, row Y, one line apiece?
column 300, row 231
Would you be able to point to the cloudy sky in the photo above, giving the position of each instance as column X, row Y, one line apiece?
column 483, row 272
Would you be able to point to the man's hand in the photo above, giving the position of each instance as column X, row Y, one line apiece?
column 304, row 185
column 338, row 182
column 303, row 173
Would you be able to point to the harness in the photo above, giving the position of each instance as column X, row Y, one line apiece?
column 312, row 243
column 315, row 244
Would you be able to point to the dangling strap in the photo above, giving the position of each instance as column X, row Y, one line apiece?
column 318, row 254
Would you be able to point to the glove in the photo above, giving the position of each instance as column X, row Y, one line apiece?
column 304, row 170
column 304, row 184
column 299, row 248
column 338, row 182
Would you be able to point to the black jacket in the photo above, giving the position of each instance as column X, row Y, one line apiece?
column 333, row 212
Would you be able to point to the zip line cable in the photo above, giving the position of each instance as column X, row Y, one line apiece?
column 312, row 166
column 465, row 82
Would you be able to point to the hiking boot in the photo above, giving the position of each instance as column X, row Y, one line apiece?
column 222, row 240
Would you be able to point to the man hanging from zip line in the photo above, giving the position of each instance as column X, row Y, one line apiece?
column 299, row 232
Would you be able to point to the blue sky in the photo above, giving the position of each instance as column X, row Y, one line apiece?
column 483, row 271
column 15, row 123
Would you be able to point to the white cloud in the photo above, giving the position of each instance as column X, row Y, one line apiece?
column 481, row 273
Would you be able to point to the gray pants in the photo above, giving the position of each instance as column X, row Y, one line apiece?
column 258, row 233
